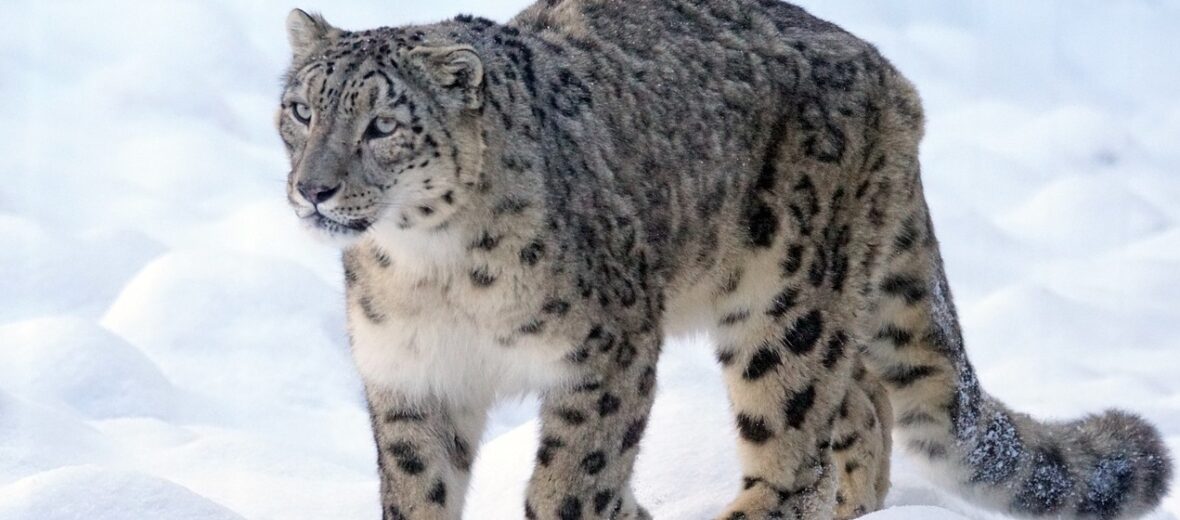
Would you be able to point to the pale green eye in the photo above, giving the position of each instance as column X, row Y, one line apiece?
column 301, row 112
column 381, row 127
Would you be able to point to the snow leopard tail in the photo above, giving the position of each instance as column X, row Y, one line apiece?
column 1108, row 466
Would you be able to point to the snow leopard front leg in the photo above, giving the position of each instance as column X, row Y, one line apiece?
column 590, row 431
column 425, row 448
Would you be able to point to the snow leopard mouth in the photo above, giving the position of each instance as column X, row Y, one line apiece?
column 319, row 222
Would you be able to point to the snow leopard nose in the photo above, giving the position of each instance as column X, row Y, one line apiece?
column 315, row 192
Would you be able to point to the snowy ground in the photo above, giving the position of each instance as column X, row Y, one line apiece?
column 171, row 344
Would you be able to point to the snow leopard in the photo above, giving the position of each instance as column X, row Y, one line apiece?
column 532, row 207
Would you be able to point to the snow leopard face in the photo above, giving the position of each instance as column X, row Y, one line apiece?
column 380, row 128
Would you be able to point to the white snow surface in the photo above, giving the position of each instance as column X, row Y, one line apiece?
column 172, row 345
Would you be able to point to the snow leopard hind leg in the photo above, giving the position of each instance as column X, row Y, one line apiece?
column 813, row 424
column 862, row 436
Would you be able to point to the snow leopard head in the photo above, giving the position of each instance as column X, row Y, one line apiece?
column 381, row 126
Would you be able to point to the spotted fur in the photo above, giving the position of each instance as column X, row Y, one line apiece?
column 534, row 206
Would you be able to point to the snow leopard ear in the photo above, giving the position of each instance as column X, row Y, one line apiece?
column 457, row 70
column 306, row 32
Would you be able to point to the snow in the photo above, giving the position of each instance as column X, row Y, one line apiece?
column 77, row 364
column 103, row 494
column 172, row 345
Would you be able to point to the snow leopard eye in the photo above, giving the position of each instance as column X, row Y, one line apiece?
column 381, row 127
column 301, row 112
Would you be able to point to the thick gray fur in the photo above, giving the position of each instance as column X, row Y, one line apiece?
column 535, row 206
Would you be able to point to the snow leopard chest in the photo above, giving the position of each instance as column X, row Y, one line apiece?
column 448, row 328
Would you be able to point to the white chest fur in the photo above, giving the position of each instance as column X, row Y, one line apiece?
column 419, row 327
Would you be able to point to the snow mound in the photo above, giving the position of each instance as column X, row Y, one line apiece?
column 42, row 270
column 210, row 319
column 35, row 438
column 93, row 493
column 1083, row 214
column 84, row 367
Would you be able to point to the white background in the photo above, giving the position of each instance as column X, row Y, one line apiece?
column 171, row 344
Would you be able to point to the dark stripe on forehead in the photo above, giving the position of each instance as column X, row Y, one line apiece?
column 311, row 68
column 384, row 76
column 390, row 87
